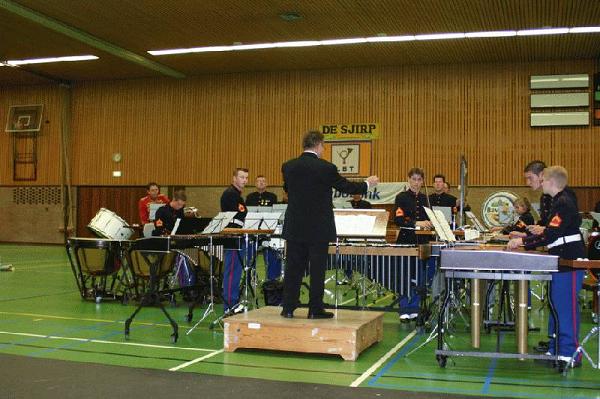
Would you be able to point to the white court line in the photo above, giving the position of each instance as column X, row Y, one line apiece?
column 49, row 316
column 382, row 360
column 101, row 341
column 198, row 360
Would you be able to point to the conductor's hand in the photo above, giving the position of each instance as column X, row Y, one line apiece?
column 372, row 181
column 514, row 243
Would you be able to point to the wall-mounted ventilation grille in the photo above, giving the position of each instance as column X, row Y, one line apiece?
column 36, row 195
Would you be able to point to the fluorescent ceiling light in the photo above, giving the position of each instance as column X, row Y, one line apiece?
column 545, row 31
column 440, row 36
column 585, row 29
column 379, row 39
column 49, row 60
column 497, row 33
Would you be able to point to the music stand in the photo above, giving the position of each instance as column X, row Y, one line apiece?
column 357, row 224
column 215, row 226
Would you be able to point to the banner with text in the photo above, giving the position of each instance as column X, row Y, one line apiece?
column 350, row 131
column 383, row 193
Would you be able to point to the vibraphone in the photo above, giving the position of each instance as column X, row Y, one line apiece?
column 493, row 263
column 394, row 267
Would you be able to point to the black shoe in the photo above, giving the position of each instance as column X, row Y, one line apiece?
column 322, row 314
column 288, row 314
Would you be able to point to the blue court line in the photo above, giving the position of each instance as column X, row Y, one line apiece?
column 400, row 354
column 464, row 391
column 492, row 369
column 64, row 331
column 562, row 383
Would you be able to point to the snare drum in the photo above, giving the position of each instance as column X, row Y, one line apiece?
column 108, row 224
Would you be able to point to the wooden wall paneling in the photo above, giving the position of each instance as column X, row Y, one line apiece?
column 194, row 132
column 121, row 200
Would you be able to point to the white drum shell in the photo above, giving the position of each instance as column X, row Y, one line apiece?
column 108, row 224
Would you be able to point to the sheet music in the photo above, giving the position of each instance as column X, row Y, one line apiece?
column 270, row 220
column 478, row 225
column 440, row 226
column 261, row 220
column 219, row 222
column 252, row 221
column 446, row 210
column 471, row 234
column 354, row 224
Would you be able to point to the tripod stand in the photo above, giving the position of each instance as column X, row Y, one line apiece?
column 210, row 309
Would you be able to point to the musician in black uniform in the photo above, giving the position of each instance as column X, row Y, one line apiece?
column 167, row 215
column 309, row 222
column 522, row 207
column 563, row 238
column 358, row 203
column 262, row 197
column 232, row 201
column 440, row 196
column 534, row 173
column 409, row 215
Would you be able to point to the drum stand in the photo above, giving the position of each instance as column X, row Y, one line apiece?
column 595, row 331
column 249, row 280
column 152, row 296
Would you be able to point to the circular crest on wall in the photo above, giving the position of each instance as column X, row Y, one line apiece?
column 497, row 209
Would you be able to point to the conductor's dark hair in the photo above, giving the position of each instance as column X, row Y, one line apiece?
column 151, row 184
column 416, row 171
column 440, row 176
column 312, row 139
column 536, row 167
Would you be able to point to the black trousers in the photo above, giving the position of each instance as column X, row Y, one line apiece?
column 300, row 257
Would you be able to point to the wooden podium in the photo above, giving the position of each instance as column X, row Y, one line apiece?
column 347, row 335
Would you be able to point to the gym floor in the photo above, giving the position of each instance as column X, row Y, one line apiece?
column 44, row 322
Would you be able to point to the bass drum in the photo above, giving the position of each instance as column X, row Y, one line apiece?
column 107, row 224
column 594, row 246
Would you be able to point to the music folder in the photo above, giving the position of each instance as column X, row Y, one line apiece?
column 360, row 223
column 191, row 225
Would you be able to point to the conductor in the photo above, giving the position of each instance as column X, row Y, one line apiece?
column 309, row 222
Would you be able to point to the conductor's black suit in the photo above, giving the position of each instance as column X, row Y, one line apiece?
column 309, row 224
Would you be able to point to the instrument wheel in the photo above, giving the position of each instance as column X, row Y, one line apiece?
column 189, row 317
column 441, row 359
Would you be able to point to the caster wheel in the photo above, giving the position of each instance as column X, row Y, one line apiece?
column 98, row 299
column 174, row 338
column 189, row 318
column 441, row 359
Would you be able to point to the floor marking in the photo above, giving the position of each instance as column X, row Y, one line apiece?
column 365, row 295
column 382, row 360
column 44, row 316
column 101, row 341
column 183, row 365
